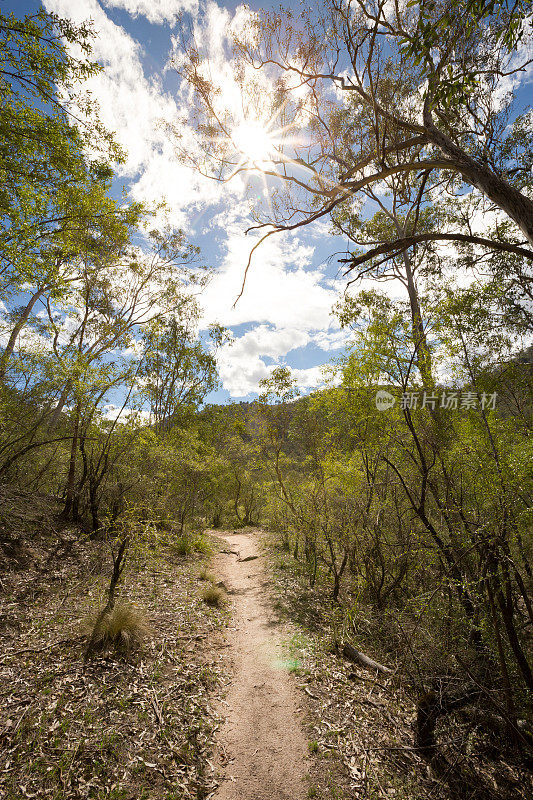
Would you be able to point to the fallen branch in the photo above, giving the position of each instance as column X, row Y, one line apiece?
column 248, row 558
column 157, row 709
column 354, row 655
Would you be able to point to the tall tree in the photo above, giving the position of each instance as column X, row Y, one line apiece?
column 362, row 91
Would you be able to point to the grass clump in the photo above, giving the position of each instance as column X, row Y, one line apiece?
column 202, row 545
column 205, row 575
column 186, row 545
column 182, row 546
column 213, row 596
column 122, row 628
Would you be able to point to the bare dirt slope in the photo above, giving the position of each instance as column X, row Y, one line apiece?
column 261, row 746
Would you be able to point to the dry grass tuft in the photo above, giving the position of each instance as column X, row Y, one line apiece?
column 213, row 596
column 123, row 628
column 205, row 575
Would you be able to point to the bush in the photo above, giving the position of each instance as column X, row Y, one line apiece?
column 202, row 545
column 182, row 546
column 186, row 545
column 123, row 628
column 213, row 596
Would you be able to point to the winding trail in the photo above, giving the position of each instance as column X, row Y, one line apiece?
column 261, row 747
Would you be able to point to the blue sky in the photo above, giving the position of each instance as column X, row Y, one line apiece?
column 284, row 315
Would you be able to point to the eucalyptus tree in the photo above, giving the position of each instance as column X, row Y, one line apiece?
column 53, row 147
column 364, row 91
column 178, row 369
column 54, row 168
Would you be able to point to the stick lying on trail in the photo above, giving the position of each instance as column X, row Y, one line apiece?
column 248, row 558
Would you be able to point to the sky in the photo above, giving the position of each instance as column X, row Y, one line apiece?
column 284, row 315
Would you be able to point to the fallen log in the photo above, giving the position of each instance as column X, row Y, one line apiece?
column 354, row 655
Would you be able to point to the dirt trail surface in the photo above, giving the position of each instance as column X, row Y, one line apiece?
column 261, row 746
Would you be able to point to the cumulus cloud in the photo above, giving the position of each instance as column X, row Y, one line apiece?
column 242, row 366
column 137, row 109
column 287, row 299
column 281, row 287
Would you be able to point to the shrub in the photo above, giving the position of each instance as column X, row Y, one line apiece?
column 202, row 545
column 182, row 546
column 123, row 628
column 213, row 596
column 185, row 545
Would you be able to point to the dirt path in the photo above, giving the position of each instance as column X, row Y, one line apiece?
column 261, row 746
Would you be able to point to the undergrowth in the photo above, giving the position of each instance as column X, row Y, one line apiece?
column 363, row 723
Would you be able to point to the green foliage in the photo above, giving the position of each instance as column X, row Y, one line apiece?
column 49, row 188
column 458, row 25
column 177, row 368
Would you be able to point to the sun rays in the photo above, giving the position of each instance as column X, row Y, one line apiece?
column 253, row 139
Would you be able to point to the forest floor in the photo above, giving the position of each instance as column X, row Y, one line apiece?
column 130, row 727
column 249, row 700
column 361, row 724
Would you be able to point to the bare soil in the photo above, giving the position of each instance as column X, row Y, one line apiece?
column 261, row 747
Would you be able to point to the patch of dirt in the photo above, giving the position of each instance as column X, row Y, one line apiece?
column 261, row 748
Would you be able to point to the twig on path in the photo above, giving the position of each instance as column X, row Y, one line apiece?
column 306, row 690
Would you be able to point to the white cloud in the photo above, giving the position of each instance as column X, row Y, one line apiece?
column 310, row 378
column 136, row 108
column 112, row 412
column 520, row 60
column 280, row 287
column 285, row 299
column 156, row 11
column 242, row 367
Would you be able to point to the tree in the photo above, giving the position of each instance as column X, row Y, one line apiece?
column 54, row 203
column 46, row 128
column 362, row 92
column 178, row 369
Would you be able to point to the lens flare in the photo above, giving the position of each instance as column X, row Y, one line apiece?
column 252, row 139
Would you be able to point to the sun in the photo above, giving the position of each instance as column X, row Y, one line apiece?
column 253, row 140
